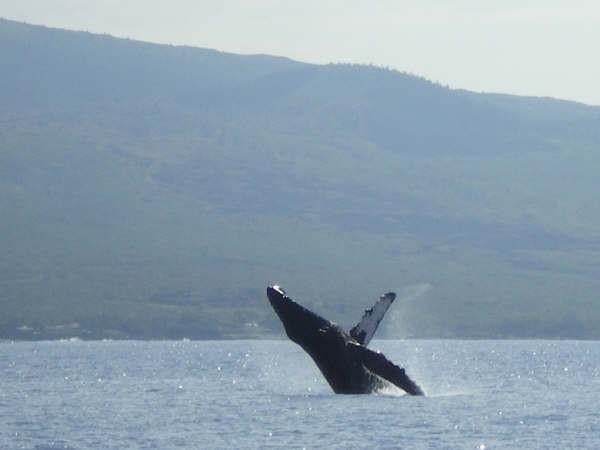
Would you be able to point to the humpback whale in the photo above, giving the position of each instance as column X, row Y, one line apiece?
column 343, row 358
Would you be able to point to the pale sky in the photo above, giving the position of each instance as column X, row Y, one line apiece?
column 527, row 47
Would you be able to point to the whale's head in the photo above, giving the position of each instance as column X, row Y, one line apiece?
column 300, row 324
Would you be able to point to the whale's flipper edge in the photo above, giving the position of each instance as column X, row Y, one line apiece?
column 378, row 364
column 364, row 330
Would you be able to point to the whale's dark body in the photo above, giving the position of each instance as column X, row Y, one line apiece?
column 348, row 366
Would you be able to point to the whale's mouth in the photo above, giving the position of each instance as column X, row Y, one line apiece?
column 280, row 302
column 276, row 295
column 296, row 319
column 278, row 289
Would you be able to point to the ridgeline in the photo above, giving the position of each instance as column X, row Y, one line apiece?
column 152, row 191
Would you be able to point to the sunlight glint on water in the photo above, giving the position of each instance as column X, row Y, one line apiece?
column 251, row 394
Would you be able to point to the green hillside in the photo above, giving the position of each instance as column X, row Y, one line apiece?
column 153, row 191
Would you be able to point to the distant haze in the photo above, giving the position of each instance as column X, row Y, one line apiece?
column 151, row 191
column 540, row 48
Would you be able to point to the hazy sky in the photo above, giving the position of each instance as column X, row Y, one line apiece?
column 529, row 47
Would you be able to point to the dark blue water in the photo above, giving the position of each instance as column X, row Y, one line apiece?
column 256, row 394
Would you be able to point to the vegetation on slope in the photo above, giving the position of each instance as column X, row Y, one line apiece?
column 153, row 191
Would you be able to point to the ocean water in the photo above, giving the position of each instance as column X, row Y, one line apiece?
column 269, row 394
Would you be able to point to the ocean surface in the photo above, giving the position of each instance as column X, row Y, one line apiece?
column 269, row 394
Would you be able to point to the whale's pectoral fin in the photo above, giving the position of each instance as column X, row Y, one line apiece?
column 365, row 329
column 383, row 367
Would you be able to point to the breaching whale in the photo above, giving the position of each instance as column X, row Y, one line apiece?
column 344, row 360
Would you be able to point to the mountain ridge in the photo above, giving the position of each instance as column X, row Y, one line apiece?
column 152, row 191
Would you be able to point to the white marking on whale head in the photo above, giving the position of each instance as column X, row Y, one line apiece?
column 279, row 289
